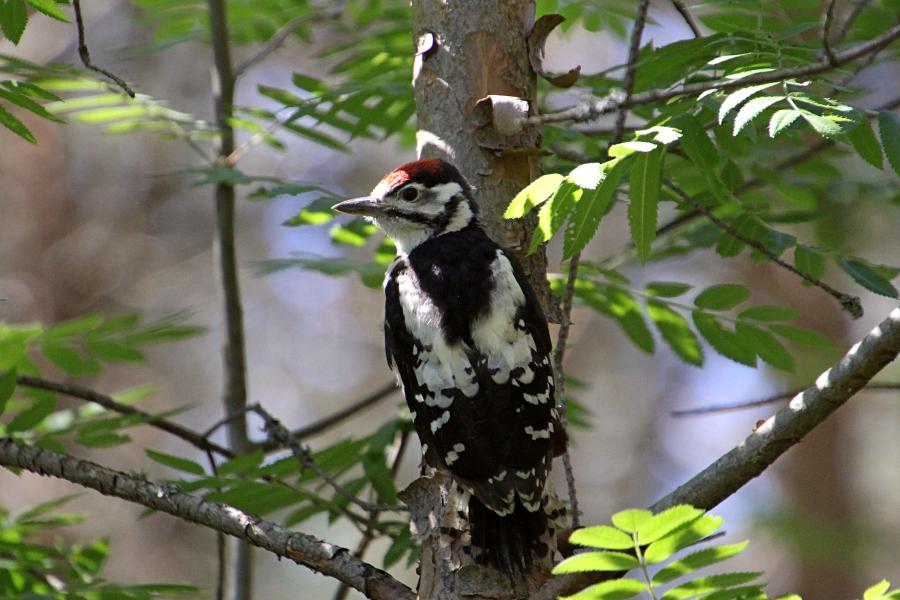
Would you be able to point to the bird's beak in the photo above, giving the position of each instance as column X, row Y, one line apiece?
column 365, row 206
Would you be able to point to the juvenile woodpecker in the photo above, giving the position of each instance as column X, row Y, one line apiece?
column 468, row 341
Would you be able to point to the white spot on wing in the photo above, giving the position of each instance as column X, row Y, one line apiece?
column 440, row 421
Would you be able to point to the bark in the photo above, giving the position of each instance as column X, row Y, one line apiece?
column 468, row 50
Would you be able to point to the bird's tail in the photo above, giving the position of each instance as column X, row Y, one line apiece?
column 508, row 543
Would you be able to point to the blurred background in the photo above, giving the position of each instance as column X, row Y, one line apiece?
column 93, row 222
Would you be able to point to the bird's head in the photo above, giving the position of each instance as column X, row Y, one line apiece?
column 417, row 201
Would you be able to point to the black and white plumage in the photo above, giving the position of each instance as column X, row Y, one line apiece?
column 467, row 338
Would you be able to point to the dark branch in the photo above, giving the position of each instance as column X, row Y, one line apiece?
column 826, row 32
column 306, row 550
column 775, row 436
column 85, row 54
column 720, row 408
column 849, row 303
column 688, row 17
column 82, row 393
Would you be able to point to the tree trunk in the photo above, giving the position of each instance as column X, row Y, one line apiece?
column 468, row 50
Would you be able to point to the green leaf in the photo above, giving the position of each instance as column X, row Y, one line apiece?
column 866, row 144
column 32, row 416
column 667, row 289
column 535, row 193
column 664, row 523
column 590, row 210
column 628, row 148
column 751, row 110
column 13, row 18
column 736, row 98
column 807, row 337
column 889, row 128
column 69, row 359
column 781, row 120
column 49, row 8
column 766, row 346
column 676, row 332
column 379, row 475
column 878, row 590
column 696, row 530
column 824, row 126
column 712, row 583
column 588, row 176
column 631, row 519
column 697, row 560
column 696, row 143
column 723, row 341
column 769, row 313
column 400, row 545
column 243, row 464
column 646, row 173
column 7, row 387
column 867, row 277
column 617, row 589
column 554, row 212
column 356, row 233
column 627, row 312
column 176, row 462
column 602, row 536
column 722, row 296
column 809, row 261
column 15, row 125
column 596, row 561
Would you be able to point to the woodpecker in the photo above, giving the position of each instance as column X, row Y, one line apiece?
column 467, row 338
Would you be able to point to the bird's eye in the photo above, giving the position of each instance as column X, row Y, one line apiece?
column 409, row 194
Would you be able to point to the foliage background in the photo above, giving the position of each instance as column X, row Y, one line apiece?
column 94, row 222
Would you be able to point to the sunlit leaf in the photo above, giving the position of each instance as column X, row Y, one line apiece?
column 646, row 173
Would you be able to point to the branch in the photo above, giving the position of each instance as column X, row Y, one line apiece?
column 826, row 32
column 75, row 391
column 857, row 8
column 337, row 418
column 234, row 395
column 279, row 37
column 720, row 408
column 596, row 107
column 849, row 303
column 303, row 549
column 774, row 437
column 688, row 18
column 85, row 54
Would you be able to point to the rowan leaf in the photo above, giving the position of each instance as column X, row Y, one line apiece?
column 646, row 174
column 889, row 128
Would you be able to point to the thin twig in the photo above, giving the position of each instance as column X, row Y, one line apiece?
column 566, row 320
column 826, row 32
column 282, row 436
column 279, row 37
column 849, row 303
column 855, row 10
column 720, row 408
column 688, row 17
column 318, row 555
column 82, row 393
column 777, row 435
column 85, row 54
column 234, row 393
column 596, row 107
column 326, row 423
